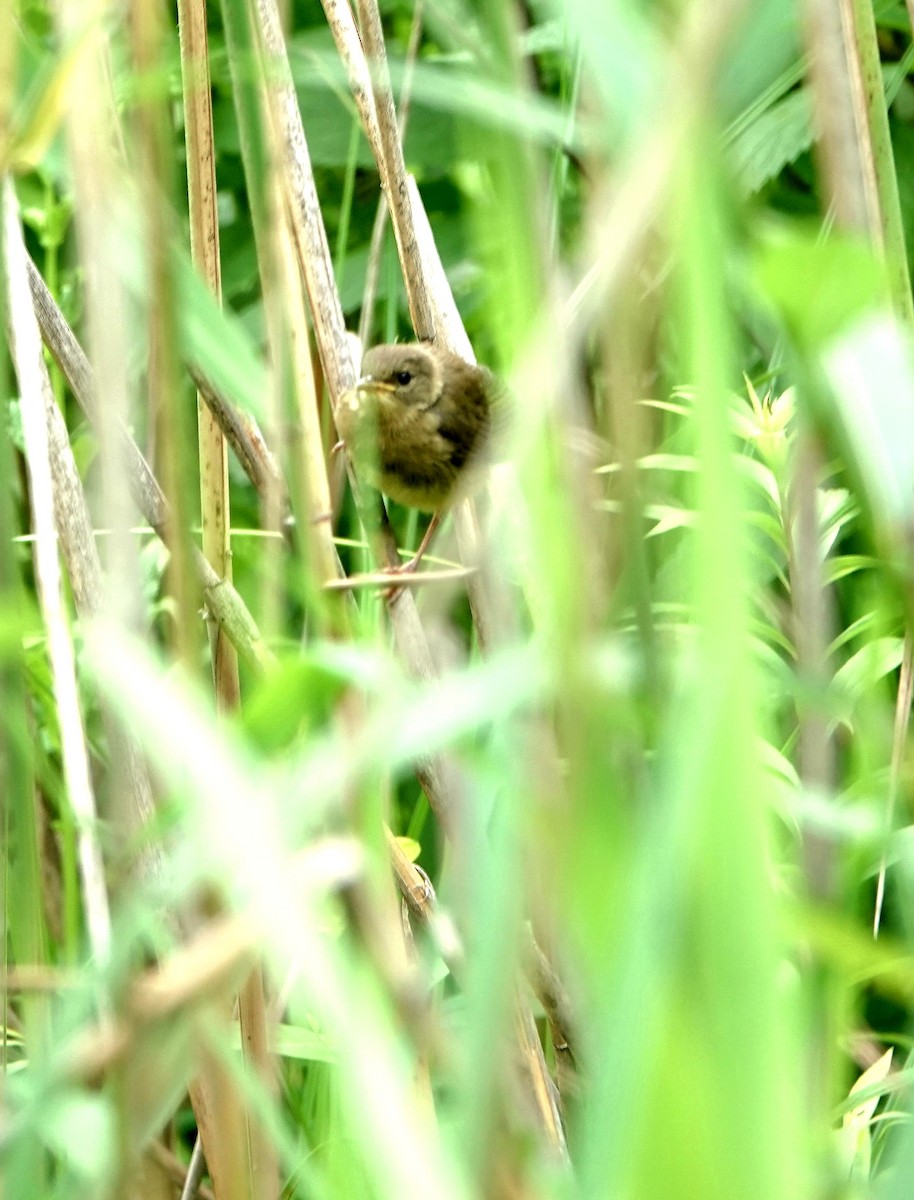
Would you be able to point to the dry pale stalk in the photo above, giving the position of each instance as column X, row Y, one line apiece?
column 37, row 402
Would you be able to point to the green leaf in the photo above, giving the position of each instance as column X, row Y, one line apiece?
column 300, row 693
column 871, row 372
column 870, row 664
column 217, row 342
column 768, row 47
column 840, row 566
column 776, row 138
column 299, row 1042
column 819, row 286
column 855, row 1135
column 783, row 130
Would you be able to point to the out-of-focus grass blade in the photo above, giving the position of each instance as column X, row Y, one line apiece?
column 233, row 815
column 211, row 338
column 216, row 342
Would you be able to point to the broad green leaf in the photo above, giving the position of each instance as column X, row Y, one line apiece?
column 871, row 372
column 819, row 286
column 855, row 1136
column 766, row 46
column 776, row 138
column 871, row 663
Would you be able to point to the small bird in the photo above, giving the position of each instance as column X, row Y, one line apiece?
column 417, row 424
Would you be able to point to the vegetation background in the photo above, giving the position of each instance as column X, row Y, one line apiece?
column 582, row 868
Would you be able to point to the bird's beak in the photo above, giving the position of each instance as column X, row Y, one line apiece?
column 369, row 386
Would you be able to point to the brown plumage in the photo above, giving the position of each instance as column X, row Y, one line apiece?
column 417, row 423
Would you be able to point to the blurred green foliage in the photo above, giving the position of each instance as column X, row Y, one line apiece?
column 632, row 751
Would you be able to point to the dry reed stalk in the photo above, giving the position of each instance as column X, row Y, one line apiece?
column 204, row 244
column 235, row 1146
column 388, row 152
column 861, row 186
column 369, row 292
column 168, row 413
column 46, row 442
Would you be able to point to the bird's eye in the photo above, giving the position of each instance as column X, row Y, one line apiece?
column 403, row 378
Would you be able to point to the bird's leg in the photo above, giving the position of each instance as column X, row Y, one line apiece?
column 407, row 568
column 424, row 544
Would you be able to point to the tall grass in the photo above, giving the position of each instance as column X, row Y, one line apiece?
column 556, row 875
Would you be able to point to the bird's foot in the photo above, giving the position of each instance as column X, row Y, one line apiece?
column 407, row 568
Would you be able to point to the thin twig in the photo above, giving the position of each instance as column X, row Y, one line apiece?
column 196, row 1169
column 378, row 579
